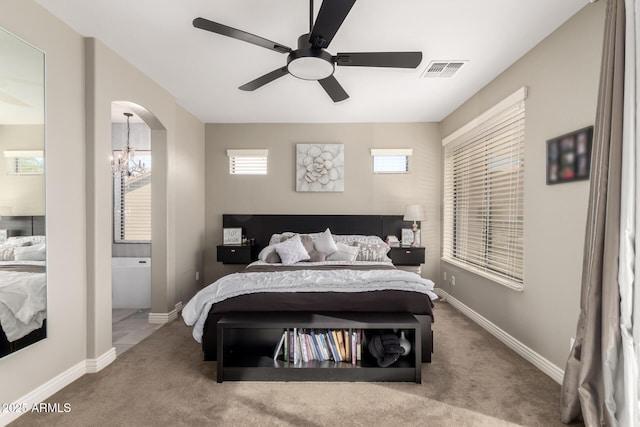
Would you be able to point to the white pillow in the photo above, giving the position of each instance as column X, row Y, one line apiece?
column 30, row 253
column 373, row 252
column 24, row 240
column 344, row 253
column 324, row 243
column 6, row 253
column 350, row 239
column 292, row 250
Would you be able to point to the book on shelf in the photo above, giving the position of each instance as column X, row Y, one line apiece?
column 325, row 346
column 347, row 345
column 354, row 340
column 334, row 349
column 337, row 338
column 285, row 355
column 279, row 349
column 316, row 345
column 303, row 347
column 311, row 351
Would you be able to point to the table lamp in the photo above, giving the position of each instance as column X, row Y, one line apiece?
column 414, row 213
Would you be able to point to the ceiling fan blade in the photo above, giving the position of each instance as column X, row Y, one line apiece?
column 333, row 89
column 263, row 80
column 331, row 15
column 234, row 33
column 379, row 59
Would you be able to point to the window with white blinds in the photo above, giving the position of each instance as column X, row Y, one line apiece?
column 24, row 162
column 391, row 160
column 132, row 204
column 248, row 162
column 484, row 194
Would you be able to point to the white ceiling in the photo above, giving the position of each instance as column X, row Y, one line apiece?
column 203, row 70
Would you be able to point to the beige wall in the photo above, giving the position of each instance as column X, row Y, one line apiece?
column 78, row 124
column 365, row 193
column 561, row 74
column 111, row 79
column 22, row 194
column 65, row 188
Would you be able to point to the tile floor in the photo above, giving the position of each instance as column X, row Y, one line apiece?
column 130, row 326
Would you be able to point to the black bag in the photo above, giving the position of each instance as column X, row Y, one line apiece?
column 385, row 348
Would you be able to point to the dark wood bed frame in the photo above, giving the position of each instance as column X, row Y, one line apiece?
column 261, row 227
column 22, row 226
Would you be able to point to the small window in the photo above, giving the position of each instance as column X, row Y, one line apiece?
column 391, row 160
column 30, row 162
column 248, row 162
column 132, row 204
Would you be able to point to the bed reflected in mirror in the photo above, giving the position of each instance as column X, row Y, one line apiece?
column 23, row 284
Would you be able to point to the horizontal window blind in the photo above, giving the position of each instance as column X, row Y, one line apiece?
column 132, row 205
column 391, row 160
column 24, row 162
column 484, row 194
column 248, row 162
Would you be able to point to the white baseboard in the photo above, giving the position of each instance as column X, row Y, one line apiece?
column 56, row 384
column 162, row 318
column 534, row 358
column 96, row 365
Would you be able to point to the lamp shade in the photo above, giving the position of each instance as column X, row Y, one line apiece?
column 414, row 213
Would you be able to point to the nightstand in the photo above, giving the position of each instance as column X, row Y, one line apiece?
column 408, row 256
column 236, row 254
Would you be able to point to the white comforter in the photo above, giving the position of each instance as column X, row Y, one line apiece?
column 197, row 309
column 23, row 302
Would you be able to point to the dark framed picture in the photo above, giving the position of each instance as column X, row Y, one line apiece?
column 569, row 156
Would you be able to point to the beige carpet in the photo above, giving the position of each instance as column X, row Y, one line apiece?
column 474, row 380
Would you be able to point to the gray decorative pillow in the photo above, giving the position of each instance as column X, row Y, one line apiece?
column 292, row 250
column 372, row 252
column 324, row 243
column 273, row 257
column 269, row 254
column 317, row 256
column 344, row 253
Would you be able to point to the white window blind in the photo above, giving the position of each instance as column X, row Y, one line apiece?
column 24, row 162
column 390, row 160
column 248, row 162
column 132, row 205
column 484, row 194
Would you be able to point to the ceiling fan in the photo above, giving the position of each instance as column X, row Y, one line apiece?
column 310, row 61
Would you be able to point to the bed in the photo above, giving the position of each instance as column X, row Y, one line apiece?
column 23, row 294
column 364, row 283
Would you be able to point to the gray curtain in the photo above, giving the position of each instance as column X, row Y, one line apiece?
column 586, row 389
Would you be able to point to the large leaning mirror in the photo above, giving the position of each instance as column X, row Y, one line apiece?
column 23, row 293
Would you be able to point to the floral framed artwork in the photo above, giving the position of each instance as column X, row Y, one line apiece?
column 569, row 156
column 320, row 167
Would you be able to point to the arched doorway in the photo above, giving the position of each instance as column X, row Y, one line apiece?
column 139, row 237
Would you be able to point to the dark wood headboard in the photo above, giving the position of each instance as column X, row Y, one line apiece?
column 261, row 227
column 23, row 225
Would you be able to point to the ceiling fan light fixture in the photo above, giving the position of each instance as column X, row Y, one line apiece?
column 310, row 64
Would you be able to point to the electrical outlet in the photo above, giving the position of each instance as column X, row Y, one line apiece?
column 453, row 280
column 197, row 275
column 444, row 275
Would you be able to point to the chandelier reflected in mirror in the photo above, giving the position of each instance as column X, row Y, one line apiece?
column 124, row 163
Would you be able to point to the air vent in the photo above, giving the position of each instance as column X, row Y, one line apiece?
column 443, row 69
